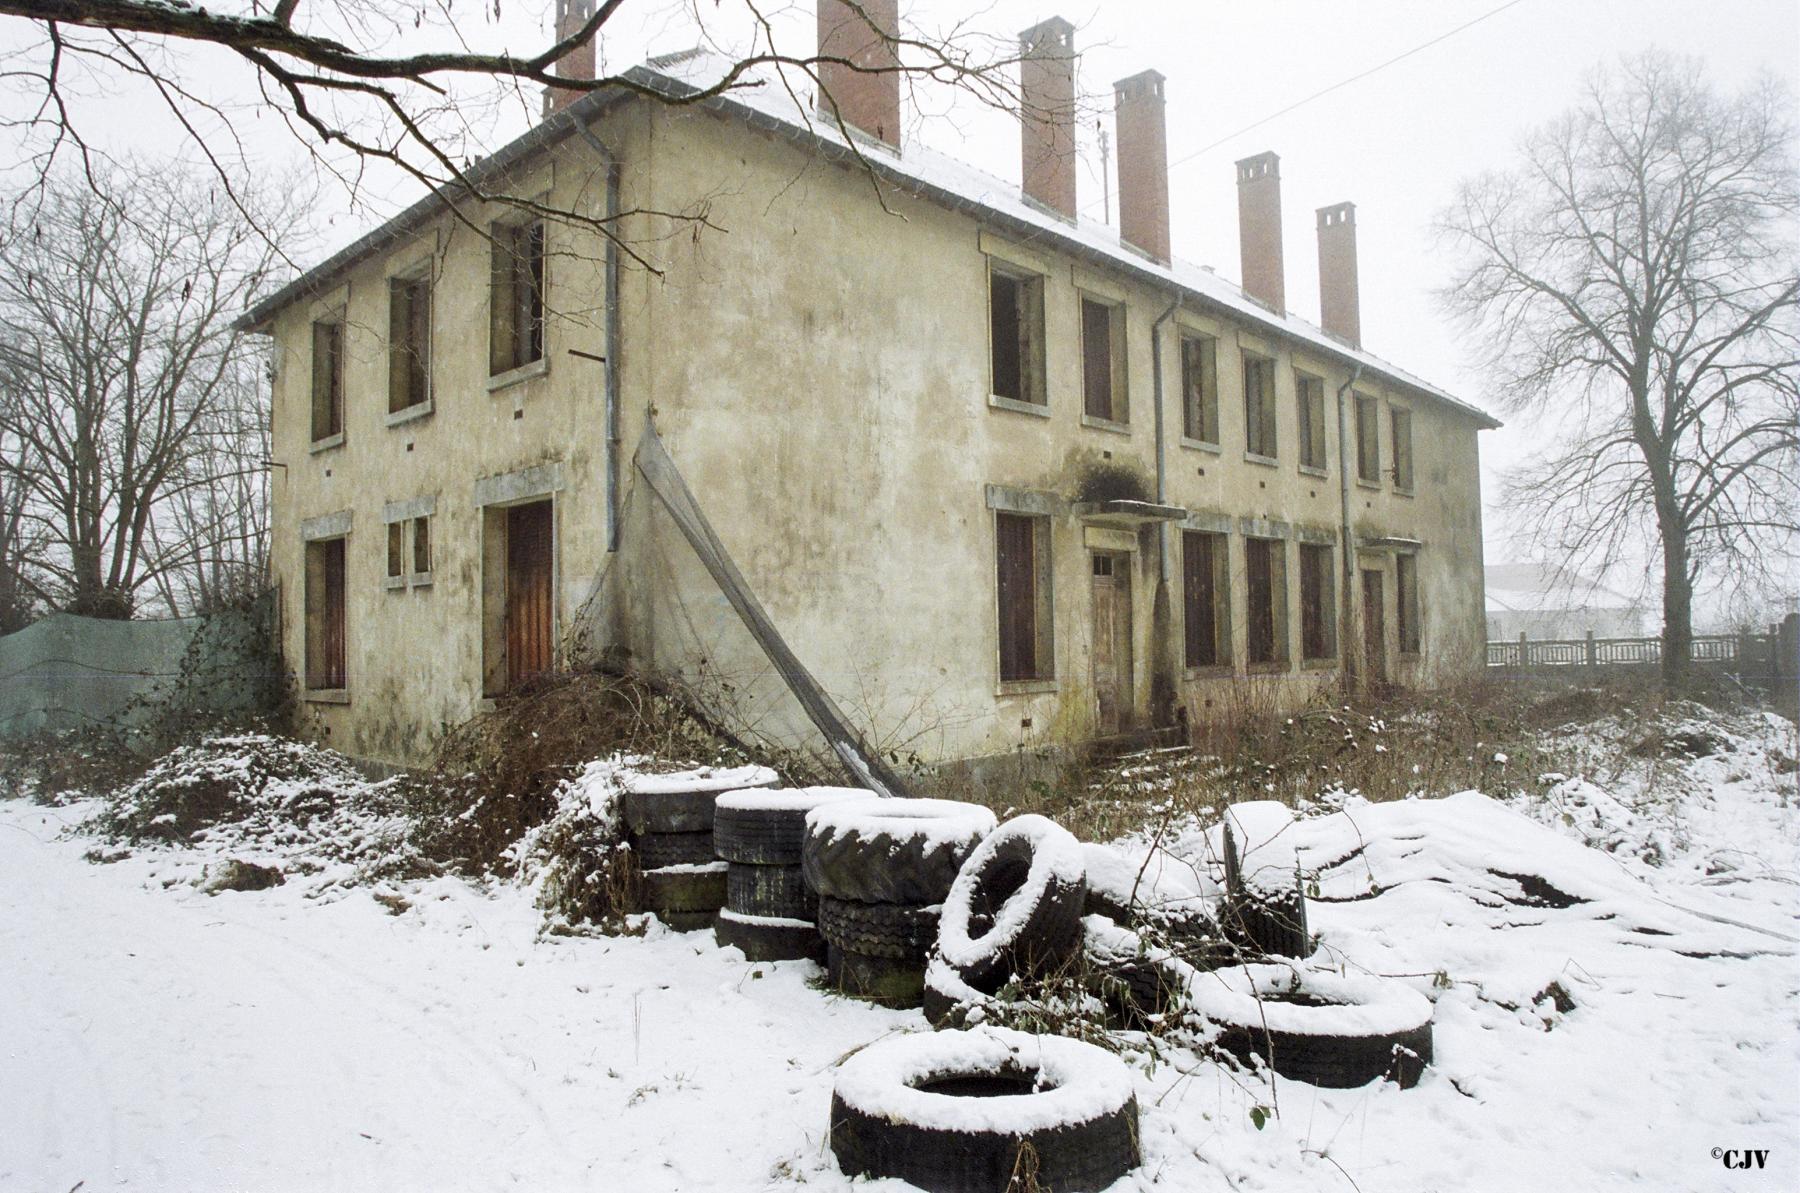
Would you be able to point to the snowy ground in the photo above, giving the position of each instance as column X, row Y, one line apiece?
column 308, row 1037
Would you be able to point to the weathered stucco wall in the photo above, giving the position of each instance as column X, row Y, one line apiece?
column 818, row 367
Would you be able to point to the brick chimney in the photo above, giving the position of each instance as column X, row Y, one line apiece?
column 1143, row 164
column 1259, row 229
column 1340, row 311
column 578, row 63
column 867, row 102
column 1047, row 116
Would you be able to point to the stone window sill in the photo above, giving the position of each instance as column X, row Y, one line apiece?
column 326, row 444
column 525, row 372
column 1024, row 687
column 410, row 414
column 1201, row 445
column 327, row 696
column 1105, row 424
column 1265, row 461
column 1309, row 470
column 1039, row 409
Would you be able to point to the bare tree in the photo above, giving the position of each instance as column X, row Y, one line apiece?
column 126, row 375
column 1634, row 281
column 19, row 595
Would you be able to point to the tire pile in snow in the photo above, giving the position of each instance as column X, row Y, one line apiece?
column 770, row 913
column 670, row 819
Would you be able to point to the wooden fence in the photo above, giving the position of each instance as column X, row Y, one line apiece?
column 1767, row 661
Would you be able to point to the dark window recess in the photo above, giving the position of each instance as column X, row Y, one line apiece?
column 1099, row 354
column 1318, row 603
column 1265, row 567
column 1403, row 458
column 1021, row 567
column 516, row 300
column 422, row 546
column 409, row 343
column 325, row 628
column 396, row 550
column 1259, row 406
column 1200, row 388
column 1311, row 419
column 1408, row 614
column 1016, row 335
column 1368, row 441
column 327, row 380
column 1205, row 599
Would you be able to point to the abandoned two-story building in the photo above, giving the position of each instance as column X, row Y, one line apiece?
column 1002, row 477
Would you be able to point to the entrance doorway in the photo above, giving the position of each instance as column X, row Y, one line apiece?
column 1112, row 642
column 530, row 630
column 1374, row 608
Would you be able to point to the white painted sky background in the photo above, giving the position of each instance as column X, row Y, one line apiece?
column 1396, row 142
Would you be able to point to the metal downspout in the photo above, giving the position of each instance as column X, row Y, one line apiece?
column 1162, row 679
column 1346, row 625
column 614, row 339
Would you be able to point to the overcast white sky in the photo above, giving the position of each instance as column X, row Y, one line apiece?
column 1395, row 142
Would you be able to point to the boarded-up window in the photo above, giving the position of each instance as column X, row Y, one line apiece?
column 1368, row 440
column 325, row 622
column 1403, row 460
column 1310, row 412
column 1205, row 599
column 1408, row 614
column 1259, row 406
column 516, row 297
column 1200, row 388
column 1265, row 569
column 1016, row 331
column 327, row 379
column 1022, row 571
column 1318, row 603
column 409, row 342
column 1102, row 360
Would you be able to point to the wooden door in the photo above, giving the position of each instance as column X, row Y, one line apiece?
column 1374, row 628
column 1112, row 643
column 529, row 628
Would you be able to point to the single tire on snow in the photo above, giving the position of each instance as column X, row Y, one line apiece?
column 1272, row 926
column 968, row 1111
column 764, row 938
column 879, row 850
column 1318, row 1026
column 683, row 802
column 892, row 930
column 1015, row 909
column 889, row 981
column 684, row 888
column 768, row 827
column 778, row 891
column 656, row 850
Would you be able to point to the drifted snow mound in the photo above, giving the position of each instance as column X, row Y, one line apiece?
column 1262, row 834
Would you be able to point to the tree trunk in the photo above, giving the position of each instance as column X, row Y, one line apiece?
column 1678, row 608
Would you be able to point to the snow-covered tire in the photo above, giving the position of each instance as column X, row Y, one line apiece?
column 948, row 1001
column 1015, row 909
column 1274, row 926
column 656, row 850
column 684, row 888
column 688, row 921
column 683, row 802
column 878, row 850
column 768, row 827
column 1318, row 1026
column 891, row 981
column 762, row 938
column 963, row 1111
column 895, row 930
column 765, row 891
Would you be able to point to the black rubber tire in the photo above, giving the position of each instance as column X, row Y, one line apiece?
column 1071, row 1157
column 767, row 836
column 669, row 812
column 656, row 850
column 684, row 888
column 1335, row 1062
column 1272, row 927
column 1136, row 992
column 879, row 929
column 688, row 921
column 882, row 861
column 776, row 941
column 769, row 891
column 1002, row 875
column 889, row 981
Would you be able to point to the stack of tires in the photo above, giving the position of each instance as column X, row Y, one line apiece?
column 670, row 820
column 770, row 913
column 881, row 869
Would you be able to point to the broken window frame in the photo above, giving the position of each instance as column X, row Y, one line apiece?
column 1199, row 387
column 1024, row 610
column 1309, row 411
column 1266, row 616
column 325, row 602
column 1260, row 436
column 1025, row 335
column 1367, row 417
column 516, row 289
column 327, row 411
column 409, row 343
column 1205, row 599
column 408, row 546
column 1318, row 603
column 1103, row 395
column 1400, row 430
column 1409, row 627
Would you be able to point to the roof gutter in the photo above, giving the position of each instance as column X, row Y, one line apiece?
column 1346, row 546
column 614, row 340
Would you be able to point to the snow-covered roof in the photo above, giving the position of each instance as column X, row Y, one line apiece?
column 918, row 169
